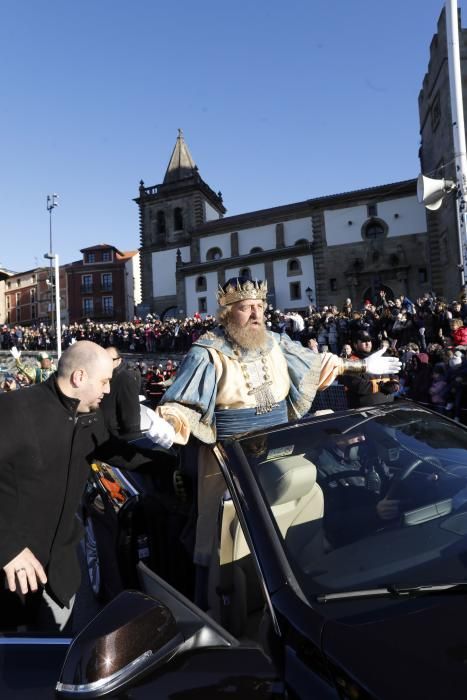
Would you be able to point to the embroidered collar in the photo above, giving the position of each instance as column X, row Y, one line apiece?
column 217, row 339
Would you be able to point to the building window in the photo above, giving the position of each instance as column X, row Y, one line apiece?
column 202, row 305
column 178, row 219
column 160, row 219
column 90, row 257
column 88, row 307
column 214, row 254
column 33, row 311
column 371, row 210
column 108, row 305
column 8, row 285
column 256, row 249
column 245, row 272
column 201, row 284
column 106, row 281
column 86, row 283
column 294, row 267
column 106, row 255
column 18, row 282
column 435, row 112
column 18, row 298
column 295, row 291
column 374, row 229
column 333, row 284
column 32, row 295
column 18, row 315
column 422, row 275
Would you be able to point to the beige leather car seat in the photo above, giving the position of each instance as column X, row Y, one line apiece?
column 290, row 488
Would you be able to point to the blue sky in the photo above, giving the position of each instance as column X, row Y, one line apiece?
column 278, row 102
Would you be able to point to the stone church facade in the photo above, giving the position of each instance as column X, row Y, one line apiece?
column 324, row 249
column 318, row 251
column 437, row 159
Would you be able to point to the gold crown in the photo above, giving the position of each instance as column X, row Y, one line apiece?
column 239, row 292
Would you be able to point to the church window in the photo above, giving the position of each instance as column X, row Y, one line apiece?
column 295, row 291
column 160, row 218
column 202, row 305
column 435, row 112
column 294, row 267
column 178, row 219
column 201, row 284
column 214, row 254
column 374, row 229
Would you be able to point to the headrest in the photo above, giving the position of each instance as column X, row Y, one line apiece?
column 287, row 479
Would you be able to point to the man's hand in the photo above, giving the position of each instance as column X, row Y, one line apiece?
column 15, row 352
column 26, row 570
column 312, row 345
column 161, row 432
column 377, row 364
column 387, row 509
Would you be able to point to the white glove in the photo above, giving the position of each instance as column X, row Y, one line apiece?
column 15, row 352
column 160, row 431
column 377, row 364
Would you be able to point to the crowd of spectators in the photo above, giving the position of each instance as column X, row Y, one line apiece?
column 429, row 335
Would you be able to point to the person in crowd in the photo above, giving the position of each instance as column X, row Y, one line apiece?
column 363, row 389
column 120, row 406
column 458, row 331
column 419, row 374
column 35, row 375
column 438, row 389
column 9, row 384
column 48, row 436
column 239, row 377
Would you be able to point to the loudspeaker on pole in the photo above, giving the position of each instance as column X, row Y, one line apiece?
column 431, row 191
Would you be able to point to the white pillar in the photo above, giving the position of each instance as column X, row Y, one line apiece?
column 58, row 326
column 458, row 127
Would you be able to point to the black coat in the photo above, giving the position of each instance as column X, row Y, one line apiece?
column 121, row 406
column 46, row 448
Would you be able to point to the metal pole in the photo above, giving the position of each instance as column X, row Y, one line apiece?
column 458, row 127
column 58, row 327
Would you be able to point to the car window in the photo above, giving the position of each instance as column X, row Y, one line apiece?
column 375, row 497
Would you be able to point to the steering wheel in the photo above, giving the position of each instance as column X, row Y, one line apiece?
column 405, row 473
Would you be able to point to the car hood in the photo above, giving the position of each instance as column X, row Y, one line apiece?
column 411, row 649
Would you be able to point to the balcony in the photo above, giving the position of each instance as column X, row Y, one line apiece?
column 106, row 287
column 86, row 288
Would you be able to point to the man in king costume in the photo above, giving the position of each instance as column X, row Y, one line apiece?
column 241, row 377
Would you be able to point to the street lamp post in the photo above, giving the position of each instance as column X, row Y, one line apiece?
column 58, row 328
column 52, row 202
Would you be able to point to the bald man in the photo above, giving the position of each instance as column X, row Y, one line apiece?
column 49, row 434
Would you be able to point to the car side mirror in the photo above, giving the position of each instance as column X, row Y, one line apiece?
column 131, row 636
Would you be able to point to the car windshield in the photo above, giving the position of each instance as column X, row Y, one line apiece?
column 371, row 498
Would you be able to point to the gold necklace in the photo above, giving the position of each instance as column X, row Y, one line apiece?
column 257, row 379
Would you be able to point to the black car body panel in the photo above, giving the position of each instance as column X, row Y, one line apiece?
column 346, row 574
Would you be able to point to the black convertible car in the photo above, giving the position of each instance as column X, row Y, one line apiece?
column 339, row 571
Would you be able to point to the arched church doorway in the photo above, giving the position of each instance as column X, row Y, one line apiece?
column 373, row 293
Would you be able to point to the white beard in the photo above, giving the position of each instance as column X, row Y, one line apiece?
column 247, row 337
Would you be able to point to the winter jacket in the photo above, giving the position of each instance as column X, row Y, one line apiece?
column 45, row 451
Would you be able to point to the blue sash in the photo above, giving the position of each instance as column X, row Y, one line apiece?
column 243, row 420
